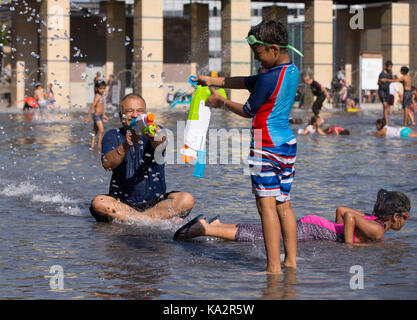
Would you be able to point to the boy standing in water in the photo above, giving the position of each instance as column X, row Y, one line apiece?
column 407, row 95
column 319, row 92
column 99, row 116
column 383, row 88
column 273, row 146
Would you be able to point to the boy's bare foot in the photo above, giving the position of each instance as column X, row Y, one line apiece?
column 273, row 270
column 290, row 265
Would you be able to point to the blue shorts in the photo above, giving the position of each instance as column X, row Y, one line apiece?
column 98, row 117
column 273, row 170
column 405, row 132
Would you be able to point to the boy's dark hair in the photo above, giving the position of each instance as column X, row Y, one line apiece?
column 388, row 63
column 381, row 122
column 270, row 31
column 390, row 202
column 99, row 83
column 404, row 70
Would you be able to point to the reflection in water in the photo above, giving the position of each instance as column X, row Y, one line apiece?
column 280, row 286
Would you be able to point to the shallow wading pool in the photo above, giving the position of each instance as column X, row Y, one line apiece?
column 48, row 176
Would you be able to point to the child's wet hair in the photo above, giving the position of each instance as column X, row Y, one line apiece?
column 344, row 132
column 381, row 123
column 313, row 120
column 404, row 69
column 99, row 83
column 270, row 31
column 390, row 202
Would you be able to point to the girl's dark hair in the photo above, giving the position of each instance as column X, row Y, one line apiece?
column 99, row 83
column 381, row 122
column 313, row 120
column 390, row 202
column 270, row 31
column 345, row 132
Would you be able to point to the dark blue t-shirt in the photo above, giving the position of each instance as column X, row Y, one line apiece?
column 139, row 178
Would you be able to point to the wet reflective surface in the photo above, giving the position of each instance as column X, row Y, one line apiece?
column 48, row 176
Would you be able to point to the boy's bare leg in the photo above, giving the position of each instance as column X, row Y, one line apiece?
column 289, row 232
column 271, row 231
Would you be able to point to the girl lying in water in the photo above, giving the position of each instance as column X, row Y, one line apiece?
column 393, row 132
column 391, row 211
column 315, row 126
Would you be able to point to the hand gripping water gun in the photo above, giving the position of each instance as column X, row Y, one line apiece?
column 144, row 123
column 196, row 127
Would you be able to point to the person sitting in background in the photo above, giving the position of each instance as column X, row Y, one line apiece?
column 352, row 105
column 313, row 126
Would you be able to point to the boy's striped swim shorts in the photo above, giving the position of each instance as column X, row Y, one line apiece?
column 272, row 170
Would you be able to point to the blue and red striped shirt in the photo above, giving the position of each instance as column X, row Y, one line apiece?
column 270, row 102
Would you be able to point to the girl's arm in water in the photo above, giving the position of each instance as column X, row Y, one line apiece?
column 368, row 229
column 381, row 133
column 321, row 132
column 340, row 213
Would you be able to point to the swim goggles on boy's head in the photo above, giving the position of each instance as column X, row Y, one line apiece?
column 252, row 40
